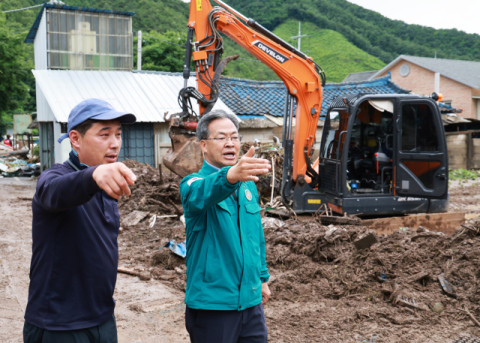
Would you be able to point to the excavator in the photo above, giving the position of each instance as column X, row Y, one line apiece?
column 380, row 155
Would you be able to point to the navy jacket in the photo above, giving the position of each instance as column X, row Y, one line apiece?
column 75, row 252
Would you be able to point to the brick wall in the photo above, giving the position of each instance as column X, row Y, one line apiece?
column 422, row 81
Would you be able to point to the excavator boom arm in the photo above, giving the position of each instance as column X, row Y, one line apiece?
column 298, row 72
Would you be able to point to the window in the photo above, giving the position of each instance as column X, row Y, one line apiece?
column 418, row 129
column 329, row 149
column 80, row 40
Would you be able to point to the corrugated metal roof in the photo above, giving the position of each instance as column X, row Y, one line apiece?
column 147, row 95
column 33, row 30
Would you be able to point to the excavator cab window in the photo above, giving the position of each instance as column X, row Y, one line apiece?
column 418, row 129
column 419, row 135
column 370, row 151
column 328, row 150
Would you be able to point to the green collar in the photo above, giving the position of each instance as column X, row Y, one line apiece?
column 207, row 169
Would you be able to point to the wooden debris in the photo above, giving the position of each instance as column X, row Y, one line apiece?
column 365, row 241
column 133, row 218
column 145, row 276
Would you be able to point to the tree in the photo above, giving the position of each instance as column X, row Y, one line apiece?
column 162, row 52
column 14, row 69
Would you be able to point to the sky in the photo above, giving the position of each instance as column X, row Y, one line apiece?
column 463, row 15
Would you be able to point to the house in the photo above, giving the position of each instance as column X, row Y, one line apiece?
column 83, row 53
column 458, row 81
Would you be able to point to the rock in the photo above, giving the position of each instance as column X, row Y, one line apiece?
column 145, row 276
column 422, row 229
column 272, row 223
column 134, row 217
column 438, row 307
column 366, row 241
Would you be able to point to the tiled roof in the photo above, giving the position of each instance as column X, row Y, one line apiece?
column 447, row 108
column 33, row 30
column 247, row 97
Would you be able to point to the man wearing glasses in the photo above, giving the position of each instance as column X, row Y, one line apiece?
column 227, row 272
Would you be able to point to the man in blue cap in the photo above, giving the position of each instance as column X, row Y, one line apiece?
column 75, row 227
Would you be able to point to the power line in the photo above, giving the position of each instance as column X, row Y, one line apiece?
column 22, row 9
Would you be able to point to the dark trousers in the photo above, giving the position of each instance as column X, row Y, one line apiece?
column 206, row 326
column 104, row 333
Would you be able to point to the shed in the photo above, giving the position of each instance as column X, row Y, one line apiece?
column 148, row 95
column 83, row 53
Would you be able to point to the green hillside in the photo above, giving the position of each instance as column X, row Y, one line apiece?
column 337, row 56
column 366, row 29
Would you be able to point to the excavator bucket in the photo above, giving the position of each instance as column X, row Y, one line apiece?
column 185, row 156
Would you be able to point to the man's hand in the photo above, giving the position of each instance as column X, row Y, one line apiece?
column 114, row 179
column 265, row 293
column 247, row 167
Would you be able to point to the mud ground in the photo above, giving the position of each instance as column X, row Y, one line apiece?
column 146, row 311
column 323, row 289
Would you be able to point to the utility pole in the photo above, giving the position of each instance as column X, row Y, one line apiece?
column 139, row 50
column 299, row 37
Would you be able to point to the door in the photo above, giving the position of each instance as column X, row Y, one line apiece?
column 421, row 162
column 46, row 145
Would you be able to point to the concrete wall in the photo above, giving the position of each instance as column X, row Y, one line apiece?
column 40, row 44
column 463, row 149
column 457, row 150
column 422, row 81
column 262, row 134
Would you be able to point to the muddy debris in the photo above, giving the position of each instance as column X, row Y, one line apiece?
column 167, row 259
column 152, row 193
column 317, row 269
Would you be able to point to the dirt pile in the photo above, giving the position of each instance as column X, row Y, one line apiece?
column 271, row 152
column 152, row 192
column 323, row 288
column 159, row 197
column 396, row 280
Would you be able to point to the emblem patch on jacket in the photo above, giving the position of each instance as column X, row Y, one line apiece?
column 248, row 195
column 192, row 180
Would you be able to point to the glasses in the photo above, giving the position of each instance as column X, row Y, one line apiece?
column 234, row 139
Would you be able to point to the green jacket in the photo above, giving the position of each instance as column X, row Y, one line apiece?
column 225, row 267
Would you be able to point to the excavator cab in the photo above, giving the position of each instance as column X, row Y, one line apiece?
column 380, row 155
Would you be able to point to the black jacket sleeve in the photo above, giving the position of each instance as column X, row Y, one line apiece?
column 59, row 189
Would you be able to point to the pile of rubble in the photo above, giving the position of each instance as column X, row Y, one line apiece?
column 414, row 278
column 13, row 166
column 153, row 192
column 274, row 153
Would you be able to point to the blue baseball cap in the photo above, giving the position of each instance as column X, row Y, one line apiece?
column 95, row 109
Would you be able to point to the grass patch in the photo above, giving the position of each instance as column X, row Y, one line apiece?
column 463, row 175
